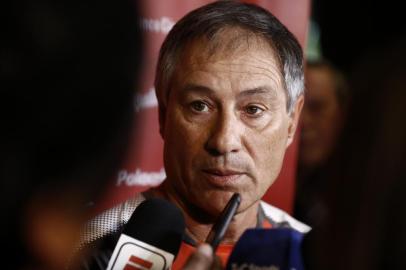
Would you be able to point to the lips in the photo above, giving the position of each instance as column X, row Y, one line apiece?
column 222, row 177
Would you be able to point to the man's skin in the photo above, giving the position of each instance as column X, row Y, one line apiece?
column 200, row 260
column 226, row 128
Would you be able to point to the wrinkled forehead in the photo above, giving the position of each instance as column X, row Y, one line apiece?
column 226, row 43
column 232, row 49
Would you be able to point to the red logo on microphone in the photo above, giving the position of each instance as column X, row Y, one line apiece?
column 136, row 263
column 132, row 254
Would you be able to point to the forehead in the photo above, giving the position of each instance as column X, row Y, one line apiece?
column 232, row 52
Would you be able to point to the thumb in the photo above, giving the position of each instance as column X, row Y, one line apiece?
column 201, row 259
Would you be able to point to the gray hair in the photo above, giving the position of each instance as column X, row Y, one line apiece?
column 210, row 19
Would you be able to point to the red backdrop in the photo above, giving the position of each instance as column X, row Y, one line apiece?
column 144, row 165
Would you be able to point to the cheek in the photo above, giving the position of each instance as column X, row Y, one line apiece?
column 270, row 153
column 183, row 145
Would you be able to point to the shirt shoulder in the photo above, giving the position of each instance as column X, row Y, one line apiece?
column 280, row 218
column 109, row 221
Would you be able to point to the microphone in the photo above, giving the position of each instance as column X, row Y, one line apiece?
column 220, row 227
column 150, row 240
column 271, row 249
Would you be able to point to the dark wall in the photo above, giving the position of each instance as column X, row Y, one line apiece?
column 349, row 28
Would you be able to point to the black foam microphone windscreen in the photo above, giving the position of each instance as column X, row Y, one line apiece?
column 159, row 223
column 151, row 239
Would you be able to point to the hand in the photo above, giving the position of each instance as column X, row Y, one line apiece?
column 203, row 259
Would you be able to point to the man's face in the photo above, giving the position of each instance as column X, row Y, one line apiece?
column 322, row 117
column 226, row 126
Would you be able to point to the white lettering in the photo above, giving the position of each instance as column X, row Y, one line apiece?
column 162, row 25
column 140, row 178
column 251, row 266
column 147, row 100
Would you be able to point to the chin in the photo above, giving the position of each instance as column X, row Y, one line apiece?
column 215, row 203
column 203, row 213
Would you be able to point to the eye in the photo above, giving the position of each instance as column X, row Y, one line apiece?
column 199, row 106
column 253, row 110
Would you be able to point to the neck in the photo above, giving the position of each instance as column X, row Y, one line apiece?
column 199, row 223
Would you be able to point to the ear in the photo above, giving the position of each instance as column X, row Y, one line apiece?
column 294, row 119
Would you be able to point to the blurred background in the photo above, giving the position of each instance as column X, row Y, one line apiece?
column 343, row 175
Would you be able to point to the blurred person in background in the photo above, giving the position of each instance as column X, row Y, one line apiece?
column 366, row 225
column 324, row 113
column 68, row 75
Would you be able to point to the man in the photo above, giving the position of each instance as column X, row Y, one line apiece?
column 229, row 84
column 323, row 117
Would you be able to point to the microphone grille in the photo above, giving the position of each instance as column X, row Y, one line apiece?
column 158, row 223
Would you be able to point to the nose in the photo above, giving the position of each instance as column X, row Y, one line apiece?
column 225, row 136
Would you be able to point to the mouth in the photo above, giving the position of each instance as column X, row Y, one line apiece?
column 221, row 177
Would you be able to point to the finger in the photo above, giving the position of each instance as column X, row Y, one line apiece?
column 216, row 265
column 201, row 259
